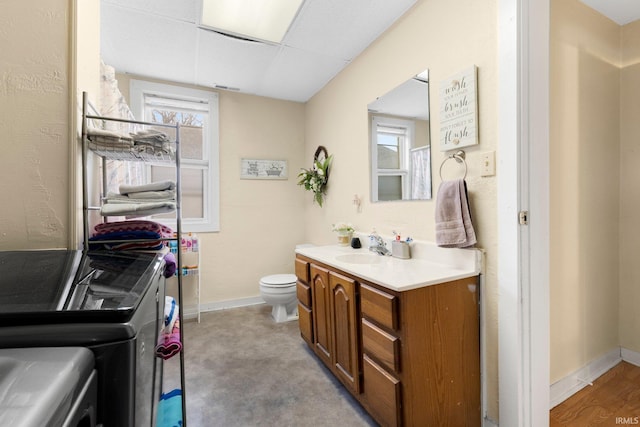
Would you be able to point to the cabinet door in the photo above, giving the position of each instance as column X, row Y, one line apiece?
column 382, row 393
column 321, row 312
column 306, row 323
column 345, row 330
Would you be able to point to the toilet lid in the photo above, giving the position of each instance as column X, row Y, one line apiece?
column 279, row 279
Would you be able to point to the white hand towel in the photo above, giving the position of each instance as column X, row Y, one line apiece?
column 136, row 210
column 154, row 186
column 454, row 228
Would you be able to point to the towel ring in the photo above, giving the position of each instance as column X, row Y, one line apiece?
column 459, row 157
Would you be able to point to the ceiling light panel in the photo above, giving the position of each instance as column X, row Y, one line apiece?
column 255, row 19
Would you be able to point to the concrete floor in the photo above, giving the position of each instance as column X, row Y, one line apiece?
column 242, row 369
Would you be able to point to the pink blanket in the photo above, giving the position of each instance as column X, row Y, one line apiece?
column 136, row 225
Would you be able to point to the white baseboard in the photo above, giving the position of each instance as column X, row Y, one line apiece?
column 571, row 384
column 191, row 311
column 630, row 356
column 486, row 422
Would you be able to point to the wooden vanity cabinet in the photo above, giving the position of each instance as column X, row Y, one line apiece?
column 303, row 291
column 381, row 347
column 421, row 352
column 329, row 320
column 410, row 358
column 321, row 313
column 344, row 330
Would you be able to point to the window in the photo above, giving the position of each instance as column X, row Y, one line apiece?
column 197, row 113
column 391, row 140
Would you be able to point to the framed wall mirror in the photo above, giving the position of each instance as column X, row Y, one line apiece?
column 400, row 142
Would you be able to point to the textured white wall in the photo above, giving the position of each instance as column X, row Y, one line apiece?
column 34, row 124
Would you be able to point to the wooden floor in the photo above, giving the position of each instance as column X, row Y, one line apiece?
column 613, row 400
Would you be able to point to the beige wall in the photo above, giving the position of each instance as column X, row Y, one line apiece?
column 445, row 36
column 594, row 196
column 34, row 124
column 629, row 188
column 47, row 49
column 261, row 221
column 86, row 62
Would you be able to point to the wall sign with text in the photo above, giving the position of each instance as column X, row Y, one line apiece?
column 459, row 110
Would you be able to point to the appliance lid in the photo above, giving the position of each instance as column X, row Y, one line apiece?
column 32, row 281
column 64, row 285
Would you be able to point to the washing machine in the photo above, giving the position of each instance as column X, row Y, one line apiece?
column 110, row 303
column 69, row 398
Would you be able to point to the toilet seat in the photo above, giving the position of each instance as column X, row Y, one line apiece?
column 278, row 280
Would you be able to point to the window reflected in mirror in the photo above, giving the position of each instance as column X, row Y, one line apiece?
column 400, row 142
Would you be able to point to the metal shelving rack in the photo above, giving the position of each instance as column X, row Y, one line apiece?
column 135, row 157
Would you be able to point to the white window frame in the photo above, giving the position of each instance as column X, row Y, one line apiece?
column 210, row 165
column 405, row 164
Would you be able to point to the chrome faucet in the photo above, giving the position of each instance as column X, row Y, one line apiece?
column 378, row 245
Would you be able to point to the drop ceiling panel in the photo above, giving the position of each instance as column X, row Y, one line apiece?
column 161, row 39
column 297, row 74
column 231, row 62
column 149, row 45
column 183, row 10
column 341, row 28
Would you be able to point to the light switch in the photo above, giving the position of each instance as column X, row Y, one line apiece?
column 488, row 163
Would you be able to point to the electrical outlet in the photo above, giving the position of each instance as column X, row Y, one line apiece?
column 488, row 163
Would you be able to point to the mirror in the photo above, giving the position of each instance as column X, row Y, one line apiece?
column 400, row 142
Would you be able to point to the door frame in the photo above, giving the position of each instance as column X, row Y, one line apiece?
column 523, row 185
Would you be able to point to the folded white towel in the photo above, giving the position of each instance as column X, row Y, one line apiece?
column 142, row 197
column 93, row 132
column 152, row 195
column 115, row 145
column 154, row 186
column 454, row 228
column 150, row 135
column 137, row 210
column 127, row 200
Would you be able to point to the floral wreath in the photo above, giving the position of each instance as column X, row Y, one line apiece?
column 316, row 178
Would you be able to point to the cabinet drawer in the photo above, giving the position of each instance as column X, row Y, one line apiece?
column 382, row 393
column 381, row 345
column 302, row 270
column 379, row 306
column 304, row 293
column 305, row 322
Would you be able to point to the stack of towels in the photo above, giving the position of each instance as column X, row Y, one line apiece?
column 150, row 142
column 454, row 228
column 169, row 343
column 133, row 235
column 134, row 201
column 105, row 140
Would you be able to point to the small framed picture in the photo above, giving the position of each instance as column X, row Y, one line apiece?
column 263, row 169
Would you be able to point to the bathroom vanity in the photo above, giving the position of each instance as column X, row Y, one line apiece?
column 401, row 335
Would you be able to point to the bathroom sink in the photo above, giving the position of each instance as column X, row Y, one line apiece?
column 359, row 258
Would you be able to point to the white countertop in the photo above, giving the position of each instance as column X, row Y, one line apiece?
column 430, row 264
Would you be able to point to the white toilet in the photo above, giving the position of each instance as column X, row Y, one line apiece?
column 279, row 291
